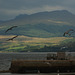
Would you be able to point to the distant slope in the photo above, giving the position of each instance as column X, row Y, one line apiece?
column 42, row 24
column 25, row 44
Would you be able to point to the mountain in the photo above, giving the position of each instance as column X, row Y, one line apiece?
column 54, row 16
column 41, row 24
column 1, row 22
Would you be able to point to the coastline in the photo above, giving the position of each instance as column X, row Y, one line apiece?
column 5, row 71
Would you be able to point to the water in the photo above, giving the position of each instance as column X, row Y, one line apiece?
column 6, row 58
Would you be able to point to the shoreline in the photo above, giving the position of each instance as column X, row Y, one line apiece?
column 5, row 71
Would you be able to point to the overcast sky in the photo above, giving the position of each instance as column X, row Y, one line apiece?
column 11, row 8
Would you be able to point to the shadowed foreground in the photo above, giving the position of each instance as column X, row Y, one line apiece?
column 42, row 66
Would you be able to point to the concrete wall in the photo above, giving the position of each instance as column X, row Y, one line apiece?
column 46, row 66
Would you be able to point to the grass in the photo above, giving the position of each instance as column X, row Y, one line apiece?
column 25, row 43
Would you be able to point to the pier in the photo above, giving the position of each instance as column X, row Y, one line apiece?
column 54, row 63
column 42, row 66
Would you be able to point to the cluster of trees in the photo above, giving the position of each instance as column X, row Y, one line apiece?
column 63, row 47
column 69, row 46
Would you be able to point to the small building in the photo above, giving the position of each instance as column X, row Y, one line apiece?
column 61, row 56
column 51, row 56
column 58, row 56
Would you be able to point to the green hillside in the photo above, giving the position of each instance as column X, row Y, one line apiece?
column 42, row 24
column 41, row 31
column 38, row 30
column 25, row 44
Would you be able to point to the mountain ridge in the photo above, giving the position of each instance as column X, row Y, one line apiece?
column 42, row 24
column 54, row 15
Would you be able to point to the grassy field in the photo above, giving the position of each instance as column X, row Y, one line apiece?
column 24, row 43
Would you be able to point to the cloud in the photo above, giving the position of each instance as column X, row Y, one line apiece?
column 10, row 8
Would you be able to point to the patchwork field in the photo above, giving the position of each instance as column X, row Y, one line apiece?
column 24, row 43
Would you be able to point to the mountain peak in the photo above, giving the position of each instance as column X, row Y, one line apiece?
column 21, row 16
column 44, row 23
column 61, row 11
column 45, row 14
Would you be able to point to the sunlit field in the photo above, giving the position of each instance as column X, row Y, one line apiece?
column 24, row 42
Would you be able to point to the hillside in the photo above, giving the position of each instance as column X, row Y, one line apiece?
column 32, row 44
column 42, row 24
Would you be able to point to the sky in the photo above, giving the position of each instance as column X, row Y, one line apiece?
column 9, row 9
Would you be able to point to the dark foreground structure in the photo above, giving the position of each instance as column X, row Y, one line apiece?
column 42, row 66
column 54, row 63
